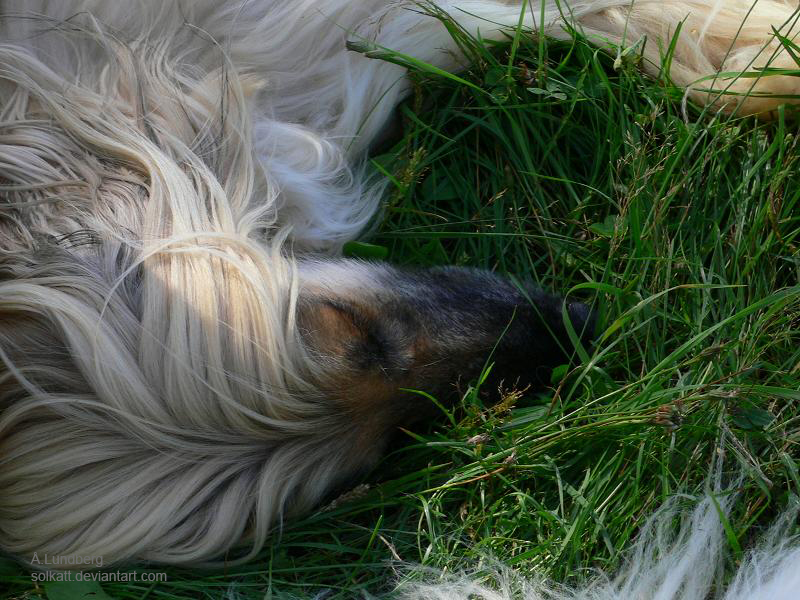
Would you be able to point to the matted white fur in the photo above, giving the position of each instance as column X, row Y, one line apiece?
column 156, row 399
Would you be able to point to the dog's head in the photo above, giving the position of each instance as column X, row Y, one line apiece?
column 168, row 365
column 377, row 332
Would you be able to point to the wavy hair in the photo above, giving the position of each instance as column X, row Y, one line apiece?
column 173, row 340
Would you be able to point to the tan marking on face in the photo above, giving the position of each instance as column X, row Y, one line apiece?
column 337, row 331
column 372, row 403
column 370, row 355
column 329, row 330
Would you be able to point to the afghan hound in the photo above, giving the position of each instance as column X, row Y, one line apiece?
column 184, row 358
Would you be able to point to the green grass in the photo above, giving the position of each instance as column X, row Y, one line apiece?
column 549, row 164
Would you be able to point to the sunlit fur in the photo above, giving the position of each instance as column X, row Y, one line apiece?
column 171, row 382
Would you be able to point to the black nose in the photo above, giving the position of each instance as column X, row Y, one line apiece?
column 538, row 340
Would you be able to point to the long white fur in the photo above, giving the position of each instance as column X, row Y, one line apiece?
column 665, row 563
column 156, row 400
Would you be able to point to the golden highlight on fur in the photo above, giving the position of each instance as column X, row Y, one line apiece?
column 183, row 363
